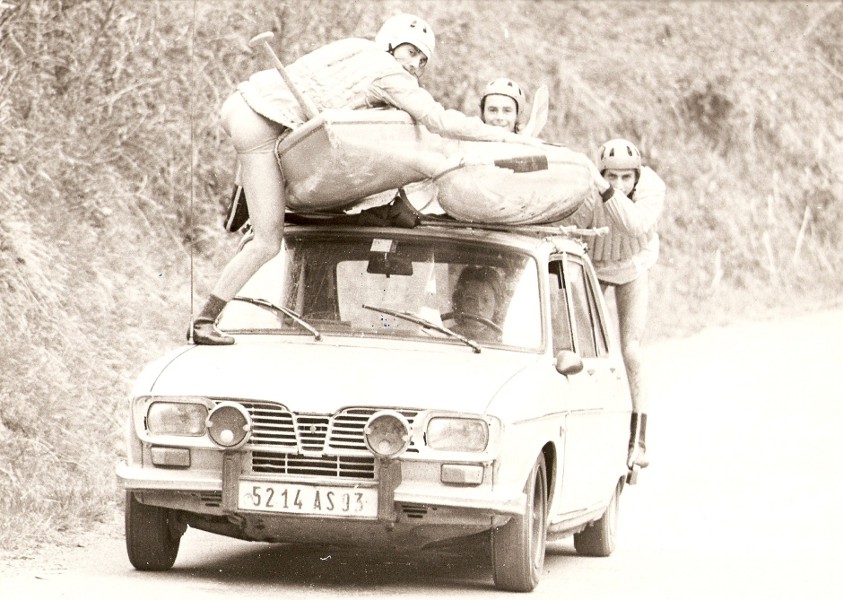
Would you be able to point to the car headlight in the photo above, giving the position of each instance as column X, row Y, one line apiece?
column 387, row 434
column 457, row 434
column 229, row 425
column 176, row 418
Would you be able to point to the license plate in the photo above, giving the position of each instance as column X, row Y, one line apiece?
column 322, row 500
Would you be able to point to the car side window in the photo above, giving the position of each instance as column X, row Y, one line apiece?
column 560, row 320
column 590, row 331
column 596, row 318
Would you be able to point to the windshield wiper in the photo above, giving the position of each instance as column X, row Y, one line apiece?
column 294, row 316
column 408, row 316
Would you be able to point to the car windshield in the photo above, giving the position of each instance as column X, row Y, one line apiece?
column 403, row 286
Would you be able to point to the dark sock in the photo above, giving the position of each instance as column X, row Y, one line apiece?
column 212, row 309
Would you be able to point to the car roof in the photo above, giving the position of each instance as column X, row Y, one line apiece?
column 530, row 238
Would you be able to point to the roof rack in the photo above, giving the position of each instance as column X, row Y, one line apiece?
column 567, row 230
column 300, row 218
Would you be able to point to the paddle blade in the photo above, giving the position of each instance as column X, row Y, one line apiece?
column 538, row 114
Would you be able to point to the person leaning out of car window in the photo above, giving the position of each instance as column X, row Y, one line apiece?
column 630, row 208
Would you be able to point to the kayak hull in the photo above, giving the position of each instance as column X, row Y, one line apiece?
column 346, row 158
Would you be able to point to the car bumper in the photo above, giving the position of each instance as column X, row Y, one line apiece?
column 399, row 485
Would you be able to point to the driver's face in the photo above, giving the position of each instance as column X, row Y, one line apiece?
column 478, row 298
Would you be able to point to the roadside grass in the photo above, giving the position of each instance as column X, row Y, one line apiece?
column 734, row 104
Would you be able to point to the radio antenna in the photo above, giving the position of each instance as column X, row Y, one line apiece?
column 192, row 151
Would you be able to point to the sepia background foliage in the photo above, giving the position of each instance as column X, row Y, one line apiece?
column 114, row 171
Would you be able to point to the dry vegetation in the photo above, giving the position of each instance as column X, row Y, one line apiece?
column 732, row 103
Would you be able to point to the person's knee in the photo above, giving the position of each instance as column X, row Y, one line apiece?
column 264, row 247
column 271, row 247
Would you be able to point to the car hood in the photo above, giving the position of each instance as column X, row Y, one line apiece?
column 322, row 377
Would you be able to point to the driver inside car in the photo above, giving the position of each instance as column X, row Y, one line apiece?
column 477, row 304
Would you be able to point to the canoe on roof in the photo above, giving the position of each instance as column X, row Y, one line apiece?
column 342, row 157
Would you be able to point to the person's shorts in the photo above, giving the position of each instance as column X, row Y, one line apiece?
column 250, row 132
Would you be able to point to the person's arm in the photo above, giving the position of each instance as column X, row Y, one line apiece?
column 402, row 91
column 583, row 217
column 638, row 217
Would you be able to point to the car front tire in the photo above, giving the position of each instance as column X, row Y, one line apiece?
column 152, row 535
column 518, row 548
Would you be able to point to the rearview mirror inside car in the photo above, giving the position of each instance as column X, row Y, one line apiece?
column 388, row 263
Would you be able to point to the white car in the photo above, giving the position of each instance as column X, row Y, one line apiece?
column 370, row 399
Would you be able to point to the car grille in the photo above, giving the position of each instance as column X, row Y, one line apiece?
column 285, row 443
column 211, row 499
column 273, row 425
column 354, row 467
column 414, row 511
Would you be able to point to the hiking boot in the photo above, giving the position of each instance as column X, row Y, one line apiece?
column 204, row 331
column 638, row 456
column 637, row 441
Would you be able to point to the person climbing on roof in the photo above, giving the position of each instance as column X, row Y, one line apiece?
column 630, row 207
column 350, row 74
column 502, row 104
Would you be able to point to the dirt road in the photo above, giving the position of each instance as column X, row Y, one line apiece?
column 742, row 501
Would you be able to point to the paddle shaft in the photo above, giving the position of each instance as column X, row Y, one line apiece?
column 262, row 39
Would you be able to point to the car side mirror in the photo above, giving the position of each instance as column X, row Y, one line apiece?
column 568, row 362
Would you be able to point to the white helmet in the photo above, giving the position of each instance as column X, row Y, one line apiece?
column 618, row 154
column 504, row 87
column 407, row 29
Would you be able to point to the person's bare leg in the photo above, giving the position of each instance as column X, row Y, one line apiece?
column 264, row 187
column 254, row 139
column 632, row 299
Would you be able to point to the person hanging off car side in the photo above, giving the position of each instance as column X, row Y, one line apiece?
column 630, row 208
column 351, row 74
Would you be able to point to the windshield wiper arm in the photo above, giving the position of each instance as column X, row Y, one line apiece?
column 294, row 316
column 427, row 324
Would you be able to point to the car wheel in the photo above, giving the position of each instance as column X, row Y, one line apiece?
column 518, row 547
column 598, row 539
column 152, row 535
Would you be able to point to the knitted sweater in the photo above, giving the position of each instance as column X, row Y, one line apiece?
column 631, row 221
column 352, row 74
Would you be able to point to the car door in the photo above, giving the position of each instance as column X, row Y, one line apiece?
column 590, row 449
